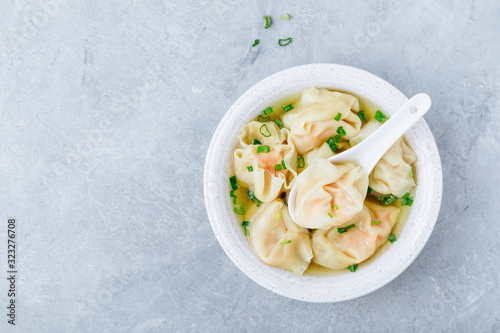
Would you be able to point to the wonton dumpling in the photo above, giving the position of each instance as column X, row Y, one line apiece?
column 272, row 225
column 264, row 180
column 336, row 251
column 323, row 185
column 252, row 131
column 366, row 130
column 391, row 175
column 312, row 121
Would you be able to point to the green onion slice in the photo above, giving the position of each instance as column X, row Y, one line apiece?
column 250, row 168
column 391, row 238
column 341, row 230
column 288, row 107
column 361, row 115
column 335, row 206
column 405, row 200
column 231, row 193
column 279, row 122
column 377, row 222
column 255, row 42
column 232, row 180
column 353, row 268
column 370, row 190
column 284, row 42
column 246, row 230
column 263, row 119
column 278, row 214
column 341, row 131
column 300, row 162
column 380, row 116
column 263, row 149
column 256, row 142
column 264, row 131
column 388, row 199
column 330, row 214
column 240, row 209
column 259, row 203
column 338, row 116
column 252, row 197
column 411, row 172
column 245, row 223
column 285, row 17
column 336, row 138
column 286, row 242
column 267, row 111
column 351, row 226
column 268, row 22
column 277, row 167
column 283, row 164
column 332, row 145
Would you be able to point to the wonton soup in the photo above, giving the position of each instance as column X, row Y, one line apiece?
column 345, row 215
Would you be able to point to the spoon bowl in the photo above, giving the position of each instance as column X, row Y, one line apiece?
column 367, row 153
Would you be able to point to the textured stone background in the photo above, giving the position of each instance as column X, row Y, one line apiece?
column 107, row 109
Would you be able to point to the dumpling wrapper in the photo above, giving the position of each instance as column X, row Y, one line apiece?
column 322, row 186
column 336, row 251
column 272, row 225
column 270, row 134
column 391, row 175
column 265, row 181
column 312, row 121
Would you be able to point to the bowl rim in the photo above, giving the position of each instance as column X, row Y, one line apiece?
column 309, row 288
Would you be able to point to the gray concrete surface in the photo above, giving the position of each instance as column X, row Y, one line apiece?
column 107, row 108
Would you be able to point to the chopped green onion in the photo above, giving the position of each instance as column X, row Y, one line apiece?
column 255, row 42
column 341, row 230
column 232, row 180
column 338, row 116
column 388, row 199
column 361, row 115
column 268, row 22
column 377, row 222
column 284, row 42
column 231, row 193
column 336, row 138
column 267, row 111
column 264, row 119
column 256, row 142
column 391, row 238
column 263, row 149
column 380, row 116
column 252, row 197
column 239, row 209
column 335, row 206
column 405, row 199
column 278, row 214
column 353, row 268
column 245, row 223
column 283, row 164
column 332, row 145
column 411, row 172
column 288, row 108
column 259, row 203
column 277, row 167
column 300, row 163
column 250, row 168
column 286, row 242
column 341, row 131
column 247, row 232
column 351, row 226
column 285, row 17
column 370, row 190
column 268, row 134
column 279, row 122
column 330, row 214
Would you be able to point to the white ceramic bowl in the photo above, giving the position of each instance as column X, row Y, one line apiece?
column 386, row 265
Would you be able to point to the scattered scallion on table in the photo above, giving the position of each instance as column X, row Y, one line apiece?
column 267, row 22
column 285, row 41
column 285, row 17
column 255, row 42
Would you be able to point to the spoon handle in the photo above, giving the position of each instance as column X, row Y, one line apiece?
column 370, row 151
